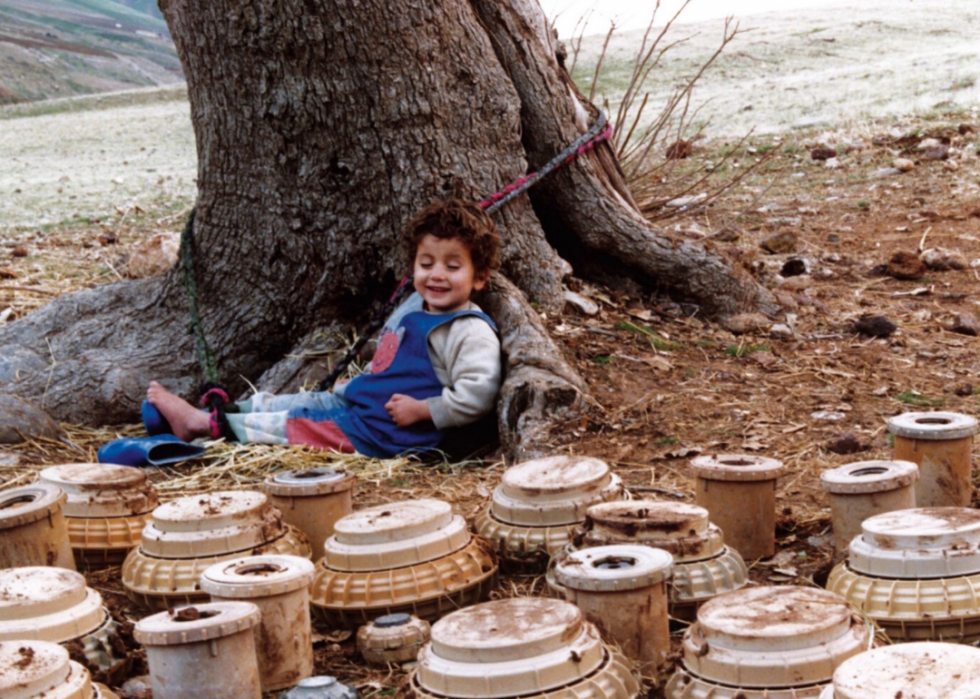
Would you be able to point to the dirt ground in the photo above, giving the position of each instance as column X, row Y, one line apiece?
column 665, row 384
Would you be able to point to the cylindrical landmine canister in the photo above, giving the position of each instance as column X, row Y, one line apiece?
column 940, row 443
column 107, row 508
column 413, row 556
column 207, row 650
column 704, row 566
column 189, row 534
column 312, row 501
column 55, row 605
column 42, row 670
column 739, row 492
column 916, row 573
column 521, row 647
column 767, row 643
column 320, row 687
column 623, row 591
column 280, row 587
column 394, row 638
column 537, row 505
column 909, row 671
column 865, row 489
column 33, row 531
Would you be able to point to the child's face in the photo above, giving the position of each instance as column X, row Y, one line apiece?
column 444, row 273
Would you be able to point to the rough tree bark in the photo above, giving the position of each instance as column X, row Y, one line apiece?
column 321, row 127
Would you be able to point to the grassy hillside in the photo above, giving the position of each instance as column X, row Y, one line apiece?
column 62, row 48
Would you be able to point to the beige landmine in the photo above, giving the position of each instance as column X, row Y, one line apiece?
column 33, row 530
column 767, row 643
column 207, row 651
column 916, row 573
column 537, row 505
column 533, row 648
column 941, row 444
column 704, row 566
column 622, row 589
column 55, row 605
column 865, row 489
column 909, row 671
column 739, row 492
column 394, row 638
column 107, row 508
column 42, row 670
column 187, row 535
column 413, row 556
column 312, row 501
column 280, row 587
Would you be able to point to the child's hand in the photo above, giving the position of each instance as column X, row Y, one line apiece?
column 405, row 410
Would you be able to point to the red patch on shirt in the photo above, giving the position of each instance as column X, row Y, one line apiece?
column 387, row 349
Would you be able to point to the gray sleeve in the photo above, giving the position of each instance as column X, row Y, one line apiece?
column 471, row 356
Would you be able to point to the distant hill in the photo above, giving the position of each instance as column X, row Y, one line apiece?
column 62, row 48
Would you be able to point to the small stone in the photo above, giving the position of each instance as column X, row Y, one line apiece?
column 794, row 267
column 781, row 331
column 804, row 281
column 927, row 143
column 875, row 326
column 833, row 237
column 7, row 273
column 903, row 164
column 966, row 324
column 822, row 153
column 746, row 322
column 886, row 172
column 940, row 152
column 19, row 420
column 781, row 243
column 832, row 163
column 155, row 256
column 941, row 259
column 951, row 165
column 964, row 129
column 19, row 251
column 905, row 265
column 847, row 443
column 581, row 303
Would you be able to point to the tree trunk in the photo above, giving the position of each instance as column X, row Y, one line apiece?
column 321, row 128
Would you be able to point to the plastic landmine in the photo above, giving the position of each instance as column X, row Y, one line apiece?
column 704, row 566
column 107, row 508
column 915, row 573
column 767, row 643
column 42, row 670
column 941, row 444
column 533, row 648
column 206, row 650
column 280, row 587
column 55, row 605
column 739, row 492
column 864, row 489
column 312, row 501
column 187, row 535
column 611, row 584
column 538, row 504
column 394, row 638
column 33, row 530
column 413, row 556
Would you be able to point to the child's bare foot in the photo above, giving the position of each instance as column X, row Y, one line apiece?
column 187, row 421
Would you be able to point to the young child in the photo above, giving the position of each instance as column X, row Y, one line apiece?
column 437, row 364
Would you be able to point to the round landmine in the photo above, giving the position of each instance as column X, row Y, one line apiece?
column 538, row 503
column 941, row 444
column 55, row 605
column 767, row 643
column 739, row 492
column 187, row 535
column 42, row 670
column 864, row 489
column 280, row 587
column 320, row 687
column 394, row 638
column 312, row 501
column 207, row 650
column 520, row 647
column 915, row 573
column 33, row 531
column 609, row 584
column 107, row 508
column 414, row 556
column 704, row 566
column 909, row 671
